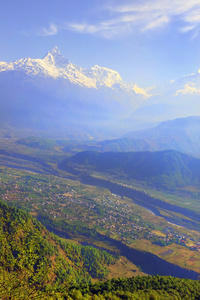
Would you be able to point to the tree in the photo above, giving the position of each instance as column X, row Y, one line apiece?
column 24, row 266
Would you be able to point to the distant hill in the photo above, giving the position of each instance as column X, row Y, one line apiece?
column 177, row 98
column 180, row 134
column 41, row 143
column 170, row 168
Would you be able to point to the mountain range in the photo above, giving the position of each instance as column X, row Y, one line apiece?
column 54, row 65
column 179, row 134
column 53, row 94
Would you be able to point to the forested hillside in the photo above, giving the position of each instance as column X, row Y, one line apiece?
column 35, row 264
column 32, row 260
column 147, row 287
column 169, row 168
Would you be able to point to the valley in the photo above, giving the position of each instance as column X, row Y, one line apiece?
column 100, row 150
column 104, row 210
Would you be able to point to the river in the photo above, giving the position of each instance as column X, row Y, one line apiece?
column 146, row 201
column 149, row 263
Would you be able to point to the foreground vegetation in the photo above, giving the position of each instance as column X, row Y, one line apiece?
column 35, row 264
column 33, row 259
column 147, row 287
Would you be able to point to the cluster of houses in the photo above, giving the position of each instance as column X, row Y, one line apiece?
column 106, row 211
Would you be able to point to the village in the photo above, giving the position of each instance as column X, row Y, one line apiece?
column 107, row 213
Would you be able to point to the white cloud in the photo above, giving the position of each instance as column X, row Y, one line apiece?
column 187, row 28
column 107, row 29
column 158, row 13
column 193, row 18
column 157, row 6
column 83, row 27
column 52, row 30
column 156, row 23
column 124, row 17
column 78, row 27
column 130, row 16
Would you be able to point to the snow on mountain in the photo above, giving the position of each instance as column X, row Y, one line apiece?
column 55, row 65
column 186, row 85
column 175, row 99
column 52, row 90
column 54, row 57
column 103, row 76
column 190, row 85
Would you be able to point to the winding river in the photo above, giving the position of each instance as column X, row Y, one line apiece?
column 146, row 201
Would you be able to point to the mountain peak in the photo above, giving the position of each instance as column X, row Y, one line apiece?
column 55, row 51
column 54, row 57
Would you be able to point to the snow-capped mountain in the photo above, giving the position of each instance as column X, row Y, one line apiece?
column 176, row 99
column 186, row 85
column 55, row 65
column 54, row 92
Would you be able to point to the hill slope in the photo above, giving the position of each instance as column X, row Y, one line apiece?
column 32, row 260
column 168, row 168
column 36, row 265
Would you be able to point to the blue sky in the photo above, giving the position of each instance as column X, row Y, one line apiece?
column 147, row 41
